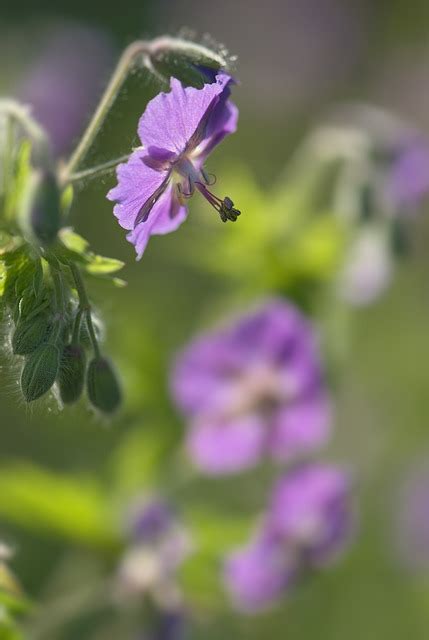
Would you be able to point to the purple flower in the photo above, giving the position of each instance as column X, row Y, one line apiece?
column 308, row 521
column 178, row 130
column 159, row 545
column 151, row 521
column 310, row 512
column 258, row 574
column 408, row 178
column 253, row 388
column 65, row 79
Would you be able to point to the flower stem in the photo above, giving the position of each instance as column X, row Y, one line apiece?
column 19, row 113
column 99, row 169
column 140, row 48
column 85, row 306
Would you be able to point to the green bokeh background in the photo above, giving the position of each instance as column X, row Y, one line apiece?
column 381, row 389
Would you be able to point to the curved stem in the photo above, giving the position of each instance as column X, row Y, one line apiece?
column 124, row 66
column 99, row 169
column 20, row 114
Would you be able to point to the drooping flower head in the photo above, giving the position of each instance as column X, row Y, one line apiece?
column 178, row 130
column 253, row 388
column 307, row 523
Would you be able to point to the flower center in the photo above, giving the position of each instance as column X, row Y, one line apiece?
column 189, row 178
column 260, row 389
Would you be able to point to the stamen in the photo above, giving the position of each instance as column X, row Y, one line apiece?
column 182, row 193
column 225, row 207
column 209, row 178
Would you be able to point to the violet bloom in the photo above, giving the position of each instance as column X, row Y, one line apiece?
column 159, row 545
column 252, row 389
column 311, row 513
column 65, row 80
column 408, row 178
column 307, row 523
column 178, row 130
column 257, row 575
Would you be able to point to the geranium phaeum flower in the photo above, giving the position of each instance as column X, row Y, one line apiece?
column 259, row 574
column 311, row 512
column 252, row 389
column 178, row 130
column 308, row 522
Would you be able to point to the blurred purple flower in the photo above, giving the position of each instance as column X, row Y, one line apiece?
column 65, row 79
column 307, row 523
column 412, row 521
column 171, row 626
column 252, row 389
column 178, row 130
column 160, row 544
column 151, row 521
column 310, row 512
column 408, row 178
column 259, row 574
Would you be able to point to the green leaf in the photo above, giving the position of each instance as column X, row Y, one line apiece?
column 101, row 265
column 67, row 199
column 73, row 241
column 76, row 248
column 56, row 505
column 21, row 174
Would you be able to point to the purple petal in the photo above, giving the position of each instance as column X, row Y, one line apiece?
column 203, row 373
column 137, row 185
column 301, row 427
column 222, row 122
column 408, row 182
column 226, row 447
column 310, row 509
column 165, row 216
column 257, row 575
column 172, row 119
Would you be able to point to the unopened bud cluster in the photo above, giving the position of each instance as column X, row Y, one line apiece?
column 50, row 331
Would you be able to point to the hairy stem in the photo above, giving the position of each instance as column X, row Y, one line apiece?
column 138, row 49
column 18, row 113
column 98, row 170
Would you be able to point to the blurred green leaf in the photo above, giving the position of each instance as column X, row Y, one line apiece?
column 102, row 265
column 55, row 504
column 73, row 241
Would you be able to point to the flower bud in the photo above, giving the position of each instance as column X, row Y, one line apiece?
column 103, row 388
column 191, row 63
column 29, row 334
column 41, row 208
column 39, row 372
column 71, row 376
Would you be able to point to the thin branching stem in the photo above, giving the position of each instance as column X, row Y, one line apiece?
column 98, row 170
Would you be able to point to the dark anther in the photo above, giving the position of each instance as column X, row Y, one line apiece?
column 227, row 211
